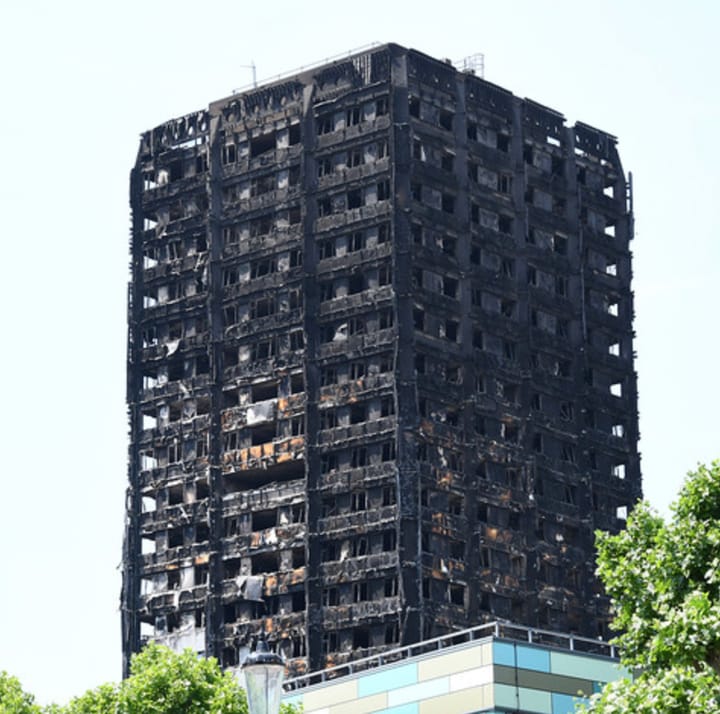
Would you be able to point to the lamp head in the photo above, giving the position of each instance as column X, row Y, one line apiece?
column 263, row 672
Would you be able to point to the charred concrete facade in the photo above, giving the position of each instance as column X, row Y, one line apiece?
column 380, row 365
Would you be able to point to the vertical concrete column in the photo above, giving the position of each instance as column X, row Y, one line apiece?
column 132, row 562
column 311, row 306
column 408, row 480
column 213, row 604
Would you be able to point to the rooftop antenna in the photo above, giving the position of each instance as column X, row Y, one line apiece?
column 254, row 71
column 472, row 64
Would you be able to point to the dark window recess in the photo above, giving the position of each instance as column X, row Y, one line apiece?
column 262, row 144
column 354, row 198
column 330, row 642
column 451, row 330
column 385, row 275
column 360, row 547
column 358, row 413
column 326, row 249
column 329, row 551
column 360, row 592
column 392, row 633
column 325, row 123
column 446, row 119
column 355, row 157
column 353, row 116
column 537, row 443
column 324, row 206
column 386, row 319
column 507, row 308
column 229, row 154
column 356, row 241
column 361, row 637
column 263, row 391
column 503, row 142
column 356, row 283
column 450, row 287
column 387, row 406
column 328, row 375
column 265, row 563
column 388, row 495
column 457, row 549
column 328, row 463
column 324, row 166
column 416, row 232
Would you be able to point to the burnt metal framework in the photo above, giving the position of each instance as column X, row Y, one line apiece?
column 380, row 365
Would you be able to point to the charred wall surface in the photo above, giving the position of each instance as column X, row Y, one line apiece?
column 380, row 365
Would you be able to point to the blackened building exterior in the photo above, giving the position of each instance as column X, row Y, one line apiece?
column 380, row 365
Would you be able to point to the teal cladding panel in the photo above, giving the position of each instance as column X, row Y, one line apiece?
column 533, row 700
column 503, row 653
column 506, row 696
column 593, row 668
column 393, row 678
column 532, row 658
column 564, row 704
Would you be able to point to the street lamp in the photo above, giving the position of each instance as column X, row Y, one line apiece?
column 263, row 672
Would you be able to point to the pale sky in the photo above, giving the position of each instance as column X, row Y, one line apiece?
column 81, row 80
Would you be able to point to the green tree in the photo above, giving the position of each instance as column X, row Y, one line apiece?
column 13, row 700
column 160, row 682
column 164, row 682
column 102, row 700
column 664, row 582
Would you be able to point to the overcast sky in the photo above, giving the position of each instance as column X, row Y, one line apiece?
column 81, row 81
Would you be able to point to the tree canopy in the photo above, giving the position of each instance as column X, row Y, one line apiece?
column 160, row 682
column 13, row 700
column 664, row 582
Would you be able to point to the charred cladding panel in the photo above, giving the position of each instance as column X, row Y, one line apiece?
column 380, row 365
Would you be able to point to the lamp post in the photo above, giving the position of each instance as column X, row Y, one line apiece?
column 263, row 672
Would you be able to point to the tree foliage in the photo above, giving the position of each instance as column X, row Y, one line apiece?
column 664, row 582
column 163, row 682
column 13, row 700
column 160, row 682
